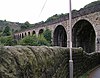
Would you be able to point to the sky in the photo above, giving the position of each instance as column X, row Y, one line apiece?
column 29, row 10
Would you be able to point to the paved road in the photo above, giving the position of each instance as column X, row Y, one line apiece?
column 95, row 73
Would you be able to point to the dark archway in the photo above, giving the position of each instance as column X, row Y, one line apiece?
column 22, row 35
column 60, row 36
column 29, row 33
column 83, row 35
column 33, row 33
column 25, row 34
column 41, row 31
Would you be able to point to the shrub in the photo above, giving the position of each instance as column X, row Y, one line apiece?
column 34, row 40
column 47, row 35
column 29, row 40
column 7, row 41
column 42, row 41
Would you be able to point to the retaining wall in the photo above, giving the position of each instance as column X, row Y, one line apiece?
column 43, row 62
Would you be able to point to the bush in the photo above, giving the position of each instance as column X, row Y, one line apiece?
column 6, row 31
column 47, row 35
column 29, row 40
column 42, row 41
column 34, row 40
column 7, row 41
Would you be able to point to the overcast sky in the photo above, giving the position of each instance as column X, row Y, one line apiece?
column 29, row 10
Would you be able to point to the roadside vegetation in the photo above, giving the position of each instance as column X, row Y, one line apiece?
column 7, row 39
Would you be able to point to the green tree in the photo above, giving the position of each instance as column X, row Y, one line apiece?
column 25, row 25
column 42, row 41
column 92, row 4
column 6, row 31
column 54, row 17
column 47, row 35
column 34, row 41
column 29, row 40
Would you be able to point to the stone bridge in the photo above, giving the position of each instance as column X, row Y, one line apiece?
column 85, row 29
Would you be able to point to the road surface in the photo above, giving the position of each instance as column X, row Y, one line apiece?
column 95, row 73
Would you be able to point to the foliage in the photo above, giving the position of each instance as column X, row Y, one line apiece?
column 42, row 41
column 56, row 16
column 1, row 29
column 25, row 25
column 34, row 40
column 6, row 31
column 29, row 40
column 47, row 35
column 93, row 4
column 16, row 31
column 7, row 40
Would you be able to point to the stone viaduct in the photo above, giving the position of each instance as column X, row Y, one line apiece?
column 85, row 29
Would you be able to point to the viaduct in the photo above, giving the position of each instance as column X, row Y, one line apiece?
column 85, row 29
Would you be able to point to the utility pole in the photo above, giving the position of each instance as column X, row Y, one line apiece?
column 70, row 24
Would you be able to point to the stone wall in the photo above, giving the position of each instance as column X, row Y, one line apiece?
column 43, row 62
column 84, row 62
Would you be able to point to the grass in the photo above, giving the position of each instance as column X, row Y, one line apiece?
column 85, row 75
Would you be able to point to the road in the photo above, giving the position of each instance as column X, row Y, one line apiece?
column 95, row 73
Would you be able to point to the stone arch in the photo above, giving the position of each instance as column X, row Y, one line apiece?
column 41, row 31
column 25, row 34
column 29, row 33
column 60, row 36
column 33, row 32
column 22, row 35
column 83, row 35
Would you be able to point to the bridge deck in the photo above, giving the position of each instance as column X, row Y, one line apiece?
column 95, row 73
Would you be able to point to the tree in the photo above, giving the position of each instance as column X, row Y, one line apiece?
column 34, row 41
column 6, row 31
column 42, row 41
column 92, row 4
column 25, row 25
column 29, row 40
column 47, row 35
column 54, row 17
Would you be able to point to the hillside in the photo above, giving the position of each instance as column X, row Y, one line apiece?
column 14, row 26
column 95, row 3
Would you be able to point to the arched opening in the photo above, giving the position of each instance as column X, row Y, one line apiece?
column 33, row 33
column 25, row 34
column 40, row 31
column 83, row 35
column 22, row 35
column 28, row 33
column 60, row 36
